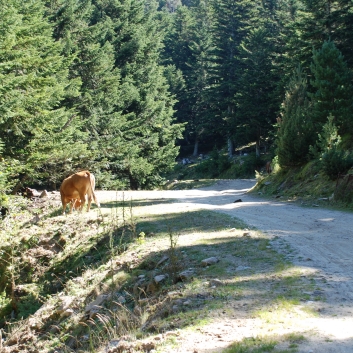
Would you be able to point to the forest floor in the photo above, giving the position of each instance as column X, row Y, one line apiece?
column 317, row 241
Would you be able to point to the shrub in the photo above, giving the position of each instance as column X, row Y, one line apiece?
column 335, row 162
column 214, row 166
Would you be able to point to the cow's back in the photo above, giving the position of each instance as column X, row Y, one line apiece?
column 77, row 185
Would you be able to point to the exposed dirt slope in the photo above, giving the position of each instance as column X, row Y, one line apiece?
column 321, row 241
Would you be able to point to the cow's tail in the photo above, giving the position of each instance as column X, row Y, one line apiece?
column 92, row 183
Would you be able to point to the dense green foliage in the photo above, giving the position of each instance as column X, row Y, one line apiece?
column 117, row 86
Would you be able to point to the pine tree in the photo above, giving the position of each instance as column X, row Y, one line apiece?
column 94, row 64
column 177, row 52
column 142, row 146
column 198, row 76
column 257, row 97
column 34, row 127
column 295, row 128
column 232, row 22
column 332, row 88
column 324, row 20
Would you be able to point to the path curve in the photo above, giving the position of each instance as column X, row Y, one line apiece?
column 321, row 239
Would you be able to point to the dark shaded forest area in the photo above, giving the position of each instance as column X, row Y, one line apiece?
column 117, row 87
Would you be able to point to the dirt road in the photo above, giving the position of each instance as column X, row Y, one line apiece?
column 320, row 239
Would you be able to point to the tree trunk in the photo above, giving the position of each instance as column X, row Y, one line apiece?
column 133, row 183
column 257, row 148
column 230, row 147
column 196, row 148
column 19, row 184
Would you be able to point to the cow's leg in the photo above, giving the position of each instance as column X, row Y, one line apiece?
column 89, row 197
column 72, row 203
column 83, row 200
column 63, row 201
column 64, row 206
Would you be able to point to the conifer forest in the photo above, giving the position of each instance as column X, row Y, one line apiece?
column 120, row 87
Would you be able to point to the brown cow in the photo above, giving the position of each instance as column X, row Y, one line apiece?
column 268, row 167
column 73, row 190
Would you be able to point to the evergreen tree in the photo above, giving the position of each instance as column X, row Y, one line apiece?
column 232, row 22
column 295, row 128
column 343, row 33
column 94, row 64
column 257, row 97
column 324, row 20
column 142, row 146
column 332, row 88
column 198, row 76
column 35, row 129
column 177, row 52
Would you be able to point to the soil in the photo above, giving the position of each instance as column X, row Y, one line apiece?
column 320, row 242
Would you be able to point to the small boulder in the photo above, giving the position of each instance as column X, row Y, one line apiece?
column 185, row 275
column 215, row 282
column 160, row 278
column 43, row 194
column 209, row 261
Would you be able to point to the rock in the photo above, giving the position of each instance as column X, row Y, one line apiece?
column 209, row 261
column 215, row 282
column 239, row 200
column 44, row 194
column 162, row 260
column 34, row 323
column 185, row 275
column 173, row 294
column 30, row 193
column 160, row 278
column 66, row 302
column 67, row 313
column 171, row 334
column 98, row 301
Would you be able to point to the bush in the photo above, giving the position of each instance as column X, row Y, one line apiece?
column 214, row 166
column 335, row 162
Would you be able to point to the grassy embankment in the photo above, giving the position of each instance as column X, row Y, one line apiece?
column 77, row 282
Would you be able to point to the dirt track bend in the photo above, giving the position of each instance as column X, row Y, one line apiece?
column 321, row 239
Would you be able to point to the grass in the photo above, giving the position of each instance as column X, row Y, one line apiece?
column 267, row 344
column 306, row 185
column 81, row 258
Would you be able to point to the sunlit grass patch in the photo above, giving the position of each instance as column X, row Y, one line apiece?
column 252, row 345
column 281, row 311
column 287, row 343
